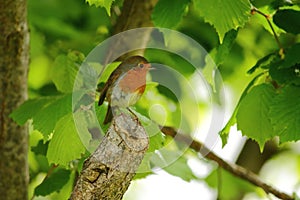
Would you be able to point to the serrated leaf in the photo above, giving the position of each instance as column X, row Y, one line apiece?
column 168, row 15
column 53, row 183
column 288, row 20
column 285, row 114
column 46, row 118
column 253, row 114
column 64, row 72
column 29, row 109
column 45, row 111
column 65, row 144
column 225, row 131
column 224, row 15
column 102, row 3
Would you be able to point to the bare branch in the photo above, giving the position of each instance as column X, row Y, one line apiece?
column 230, row 167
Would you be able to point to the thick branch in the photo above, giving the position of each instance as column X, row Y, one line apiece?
column 230, row 167
column 134, row 14
column 107, row 173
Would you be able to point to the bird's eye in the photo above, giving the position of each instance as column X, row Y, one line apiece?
column 141, row 65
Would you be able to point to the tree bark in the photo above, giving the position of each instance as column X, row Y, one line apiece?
column 14, row 59
column 107, row 173
column 134, row 14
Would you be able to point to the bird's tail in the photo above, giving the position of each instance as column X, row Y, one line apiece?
column 108, row 116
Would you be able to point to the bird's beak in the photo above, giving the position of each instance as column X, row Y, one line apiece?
column 151, row 68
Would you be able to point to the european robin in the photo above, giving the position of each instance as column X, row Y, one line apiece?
column 125, row 85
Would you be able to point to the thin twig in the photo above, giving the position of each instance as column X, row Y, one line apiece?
column 268, row 17
column 230, row 167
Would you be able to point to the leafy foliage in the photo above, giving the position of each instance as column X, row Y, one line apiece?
column 53, row 183
column 40, row 110
column 66, row 144
column 63, row 77
column 285, row 114
column 256, row 111
column 293, row 15
column 168, row 15
column 231, row 186
column 268, row 106
column 253, row 114
column 102, row 3
column 224, row 15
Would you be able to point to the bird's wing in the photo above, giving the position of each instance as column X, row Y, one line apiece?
column 114, row 76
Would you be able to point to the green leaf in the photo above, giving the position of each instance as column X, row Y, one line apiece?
column 65, row 71
column 44, row 112
column 288, row 20
column 291, row 57
column 41, row 110
column 263, row 62
column 224, row 49
column 285, row 114
column 181, row 169
column 216, row 57
column 41, row 148
column 46, row 118
column 144, row 168
column 253, row 114
column 168, row 15
column 285, row 75
column 231, row 187
column 174, row 163
column 157, row 139
column 65, row 144
column 224, row 15
column 225, row 131
column 53, row 183
column 29, row 109
column 102, row 3
column 286, row 71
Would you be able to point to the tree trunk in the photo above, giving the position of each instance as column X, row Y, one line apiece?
column 14, row 58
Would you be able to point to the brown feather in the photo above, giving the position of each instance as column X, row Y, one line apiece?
column 130, row 83
column 103, row 94
column 108, row 116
